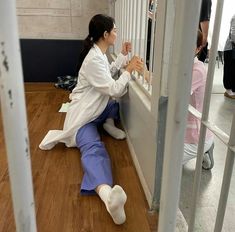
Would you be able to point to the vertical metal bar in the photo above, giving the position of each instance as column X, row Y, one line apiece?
column 168, row 34
column 14, row 119
column 146, row 32
column 205, row 112
column 162, row 24
column 112, row 13
column 159, row 104
column 120, row 29
column 228, row 170
column 184, row 36
column 137, row 27
column 118, row 24
column 133, row 25
column 129, row 21
column 152, row 45
column 127, row 14
column 125, row 21
column 141, row 34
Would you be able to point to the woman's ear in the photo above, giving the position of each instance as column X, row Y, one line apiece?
column 105, row 34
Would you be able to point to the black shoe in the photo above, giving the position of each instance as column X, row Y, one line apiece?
column 208, row 158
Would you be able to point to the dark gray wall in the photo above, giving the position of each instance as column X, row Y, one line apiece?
column 45, row 60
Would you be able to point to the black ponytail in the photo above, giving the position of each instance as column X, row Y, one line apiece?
column 87, row 45
column 97, row 26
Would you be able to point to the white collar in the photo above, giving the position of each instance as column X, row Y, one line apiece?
column 97, row 48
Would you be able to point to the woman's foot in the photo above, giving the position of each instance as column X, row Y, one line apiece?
column 208, row 159
column 229, row 93
column 114, row 200
column 112, row 130
column 115, row 204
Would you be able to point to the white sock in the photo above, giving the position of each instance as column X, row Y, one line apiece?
column 115, row 132
column 114, row 200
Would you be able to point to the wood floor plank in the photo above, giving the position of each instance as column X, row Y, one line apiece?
column 57, row 176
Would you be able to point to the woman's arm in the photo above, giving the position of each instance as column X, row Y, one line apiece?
column 117, row 64
column 121, row 59
column 232, row 29
column 101, row 79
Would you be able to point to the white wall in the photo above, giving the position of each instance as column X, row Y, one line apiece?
column 57, row 19
column 228, row 12
column 141, row 128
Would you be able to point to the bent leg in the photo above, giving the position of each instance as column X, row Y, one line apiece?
column 190, row 152
column 111, row 113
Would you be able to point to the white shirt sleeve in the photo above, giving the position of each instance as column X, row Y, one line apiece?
column 100, row 78
column 118, row 63
column 232, row 29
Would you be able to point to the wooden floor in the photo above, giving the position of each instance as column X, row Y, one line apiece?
column 57, row 176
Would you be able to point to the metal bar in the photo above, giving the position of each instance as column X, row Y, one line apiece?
column 168, row 35
column 133, row 25
column 127, row 20
column 228, row 171
column 184, row 36
column 141, row 34
column 121, row 18
column 212, row 127
column 14, row 119
column 152, row 45
column 119, row 21
column 112, row 13
column 146, row 34
column 205, row 112
column 124, row 19
column 159, row 60
column 137, row 25
column 159, row 104
column 128, row 10
column 116, row 45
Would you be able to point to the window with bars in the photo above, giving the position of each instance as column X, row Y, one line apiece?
column 136, row 22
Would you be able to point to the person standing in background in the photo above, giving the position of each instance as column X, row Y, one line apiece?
column 204, row 27
column 229, row 62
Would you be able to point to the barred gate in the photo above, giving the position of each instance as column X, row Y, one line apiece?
column 14, row 119
column 175, row 22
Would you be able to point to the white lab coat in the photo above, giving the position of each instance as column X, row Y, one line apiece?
column 90, row 97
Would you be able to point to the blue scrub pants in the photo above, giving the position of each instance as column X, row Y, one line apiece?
column 95, row 159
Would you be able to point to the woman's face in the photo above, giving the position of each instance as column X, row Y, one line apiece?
column 112, row 35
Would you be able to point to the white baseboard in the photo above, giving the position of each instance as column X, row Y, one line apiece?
column 147, row 193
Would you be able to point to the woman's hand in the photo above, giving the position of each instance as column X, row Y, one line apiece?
column 126, row 48
column 135, row 64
